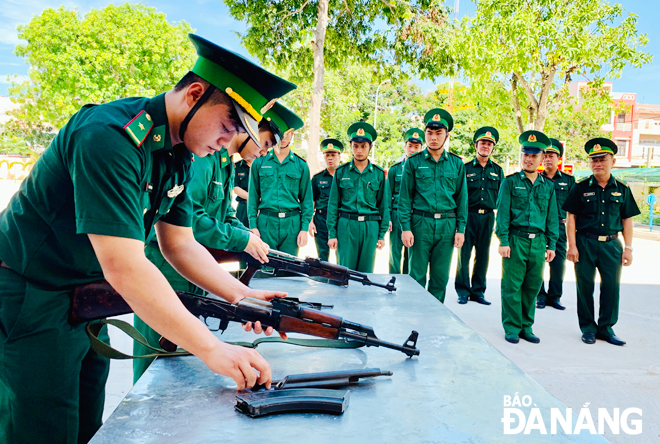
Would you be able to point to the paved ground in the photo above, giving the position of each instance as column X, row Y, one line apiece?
column 602, row 375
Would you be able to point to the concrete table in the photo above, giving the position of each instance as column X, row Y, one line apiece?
column 452, row 393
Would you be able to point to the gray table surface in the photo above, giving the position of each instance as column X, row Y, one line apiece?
column 452, row 393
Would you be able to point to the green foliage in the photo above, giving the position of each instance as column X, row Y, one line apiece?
column 110, row 53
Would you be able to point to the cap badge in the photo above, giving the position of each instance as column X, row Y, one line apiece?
column 436, row 117
column 596, row 147
column 489, row 134
column 416, row 135
column 532, row 138
column 360, row 132
column 329, row 146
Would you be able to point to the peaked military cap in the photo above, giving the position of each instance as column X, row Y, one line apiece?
column 332, row 146
column 486, row 133
column 439, row 118
column 533, row 142
column 414, row 135
column 282, row 120
column 252, row 89
column 600, row 146
column 362, row 132
column 555, row 147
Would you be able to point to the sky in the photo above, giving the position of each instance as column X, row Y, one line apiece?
column 211, row 19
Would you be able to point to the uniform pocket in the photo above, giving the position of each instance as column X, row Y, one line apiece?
column 215, row 191
column 291, row 179
column 347, row 188
column 615, row 205
column 266, row 179
column 448, row 180
column 473, row 182
column 589, row 204
column 543, row 200
column 519, row 199
column 493, row 182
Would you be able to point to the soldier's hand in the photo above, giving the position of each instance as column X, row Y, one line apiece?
column 389, row 230
column 332, row 243
column 504, row 251
column 257, row 248
column 302, row 239
column 626, row 258
column 572, row 254
column 549, row 255
column 459, row 238
column 407, row 238
column 380, row 244
column 312, row 229
column 258, row 329
column 256, row 231
column 265, row 295
column 244, row 365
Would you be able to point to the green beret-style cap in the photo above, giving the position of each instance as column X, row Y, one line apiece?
column 533, row 142
column 332, row 146
column 555, row 147
column 439, row 118
column 362, row 132
column 600, row 146
column 486, row 133
column 282, row 119
column 253, row 89
column 414, row 135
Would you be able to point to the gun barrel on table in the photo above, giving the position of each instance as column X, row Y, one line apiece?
column 99, row 300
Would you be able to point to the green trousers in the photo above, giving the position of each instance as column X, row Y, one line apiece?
column 241, row 212
column 478, row 233
column 280, row 233
column 522, row 276
column 432, row 251
column 356, row 244
column 606, row 258
column 396, row 246
column 321, row 236
column 52, row 384
column 557, row 270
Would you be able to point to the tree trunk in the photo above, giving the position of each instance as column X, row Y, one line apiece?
column 317, row 88
column 516, row 104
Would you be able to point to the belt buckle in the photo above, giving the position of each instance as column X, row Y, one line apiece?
column 437, row 215
column 360, row 218
column 281, row 215
column 531, row 235
column 602, row 238
column 482, row 211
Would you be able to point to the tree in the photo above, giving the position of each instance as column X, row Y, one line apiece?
column 380, row 34
column 111, row 53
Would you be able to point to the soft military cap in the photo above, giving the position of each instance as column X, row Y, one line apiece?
column 600, row 146
column 414, row 135
column 439, row 118
column 332, row 146
column 555, row 147
column 486, row 133
column 253, row 89
column 533, row 142
column 282, row 120
column 361, row 132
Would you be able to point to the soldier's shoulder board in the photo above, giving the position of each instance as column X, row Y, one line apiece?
column 342, row 166
column 457, row 156
column 621, row 182
column 584, row 179
column 414, row 154
column 138, row 127
column 319, row 173
column 395, row 164
column 378, row 167
column 511, row 175
column 299, row 157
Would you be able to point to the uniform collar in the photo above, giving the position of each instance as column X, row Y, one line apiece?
column 475, row 162
column 428, row 156
column 370, row 166
column 592, row 181
column 271, row 156
column 159, row 136
column 540, row 179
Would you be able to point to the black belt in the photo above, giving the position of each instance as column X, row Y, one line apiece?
column 359, row 218
column 605, row 238
column 524, row 234
column 481, row 210
column 321, row 211
column 240, row 199
column 447, row 215
column 280, row 215
column 562, row 221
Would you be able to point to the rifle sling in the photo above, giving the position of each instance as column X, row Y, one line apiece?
column 107, row 351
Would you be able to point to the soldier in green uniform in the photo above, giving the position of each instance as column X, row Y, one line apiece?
column 321, row 186
column 563, row 183
column 241, row 185
column 484, row 178
column 280, row 204
column 527, row 230
column 115, row 174
column 414, row 138
column 433, row 205
column 598, row 208
column 359, row 205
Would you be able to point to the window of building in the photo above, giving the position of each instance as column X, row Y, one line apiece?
column 621, row 118
column 622, row 147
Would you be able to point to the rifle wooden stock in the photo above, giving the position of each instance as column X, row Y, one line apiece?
column 289, row 324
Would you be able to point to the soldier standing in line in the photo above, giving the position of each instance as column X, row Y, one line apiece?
column 359, row 205
column 433, row 205
column 414, row 139
column 527, row 230
column 563, row 183
column 241, row 185
column 321, row 186
column 280, row 205
column 484, row 178
column 599, row 207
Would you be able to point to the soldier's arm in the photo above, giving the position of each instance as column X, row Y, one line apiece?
column 461, row 199
column 240, row 192
column 572, row 252
column 503, row 213
column 384, row 200
column 333, row 208
column 552, row 222
column 406, row 192
column 391, row 179
column 306, row 199
column 254, row 194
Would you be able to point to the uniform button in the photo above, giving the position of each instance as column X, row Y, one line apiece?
column 603, row 201
column 602, row 225
column 145, row 211
column 602, row 212
column 156, row 211
column 168, row 211
column 482, row 198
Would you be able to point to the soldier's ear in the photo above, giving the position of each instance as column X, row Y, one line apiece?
column 613, row 160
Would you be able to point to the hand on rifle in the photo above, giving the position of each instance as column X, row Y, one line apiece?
column 265, row 295
column 257, row 248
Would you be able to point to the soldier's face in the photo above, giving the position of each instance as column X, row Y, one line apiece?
column 601, row 166
column 251, row 151
column 435, row 137
column 360, row 150
column 531, row 162
column 412, row 148
column 550, row 161
column 331, row 159
column 210, row 129
column 485, row 148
